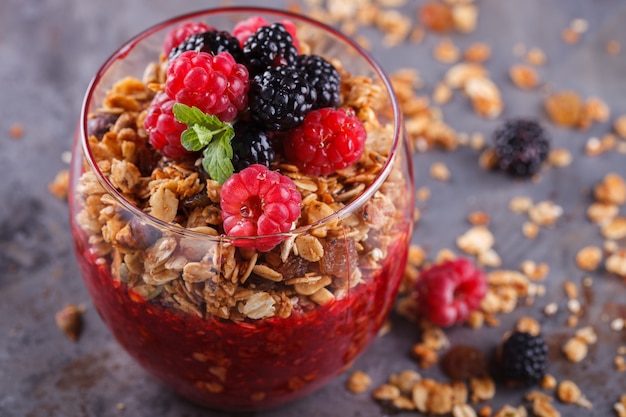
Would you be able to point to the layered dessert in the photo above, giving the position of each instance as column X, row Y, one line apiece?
column 242, row 210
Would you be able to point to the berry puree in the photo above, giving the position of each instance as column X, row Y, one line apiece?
column 249, row 364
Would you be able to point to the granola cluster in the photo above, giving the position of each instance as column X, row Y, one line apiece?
column 213, row 277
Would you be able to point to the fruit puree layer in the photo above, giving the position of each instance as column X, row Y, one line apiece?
column 242, row 364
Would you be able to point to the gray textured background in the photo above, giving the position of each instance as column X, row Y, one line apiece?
column 49, row 50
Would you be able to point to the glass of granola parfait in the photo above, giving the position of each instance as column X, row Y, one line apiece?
column 241, row 202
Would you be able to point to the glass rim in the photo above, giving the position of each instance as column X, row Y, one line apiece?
column 130, row 44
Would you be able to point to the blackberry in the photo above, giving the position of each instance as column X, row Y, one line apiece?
column 524, row 358
column 323, row 78
column 211, row 41
column 270, row 46
column 521, row 146
column 251, row 145
column 280, row 97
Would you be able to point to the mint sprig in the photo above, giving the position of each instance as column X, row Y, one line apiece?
column 207, row 133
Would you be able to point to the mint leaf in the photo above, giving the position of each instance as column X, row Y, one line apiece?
column 217, row 159
column 190, row 141
column 206, row 131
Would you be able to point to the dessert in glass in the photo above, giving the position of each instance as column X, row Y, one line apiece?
column 243, row 270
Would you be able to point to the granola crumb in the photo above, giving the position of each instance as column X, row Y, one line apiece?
column 60, row 184
column 548, row 382
column 536, row 56
column 588, row 258
column 575, row 349
column 440, row 171
column 478, row 52
column 446, row 51
column 524, row 77
column 613, row 47
column 424, row 355
column 386, row 392
column 560, row 157
column 120, row 406
column 69, row 321
column 620, row 126
column 358, row 382
column 16, row 131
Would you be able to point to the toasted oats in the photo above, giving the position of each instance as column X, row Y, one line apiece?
column 520, row 204
column 611, row 190
column 459, row 75
column 588, row 258
column 615, row 229
column 560, row 157
column 535, row 56
column 548, row 382
column 575, row 349
column 571, row 290
column 587, row 334
column 440, row 171
column 386, row 392
column 509, row 411
column 425, row 356
column 613, row 47
column 477, row 52
column 616, row 263
column 476, row 240
column 446, row 51
column 259, row 305
column 440, row 399
column 478, row 218
column 528, row 325
column 442, row 93
column 435, row 338
column 358, row 382
column 489, row 258
column 463, row 410
column 482, row 389
column 551, row 309
column 523, row 76
column 602, row 213
column 405, row 381
column 420, row 395
column 543, row 408
column 545, row 213
column 485, row 97
column 465, row 17
column 403, row 404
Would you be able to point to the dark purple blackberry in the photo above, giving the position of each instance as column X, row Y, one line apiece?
column 323, row 78
column 251, row 145
column 524, row 358
column 521, row 146
column 269, row 46
column 280, row 97
column 213, row 42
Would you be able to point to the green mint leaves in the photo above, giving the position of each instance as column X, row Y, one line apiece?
column 206, row 131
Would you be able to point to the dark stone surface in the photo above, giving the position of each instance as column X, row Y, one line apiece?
column 49, row 49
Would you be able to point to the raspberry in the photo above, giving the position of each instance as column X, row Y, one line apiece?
column 164, row 129
column 180, row 33
column 257, row 202
column 212, row 41
column 446, row 293
column 328, row 140
column 323, row 78
column 521, row 147
column 280, row 97
column 251, row 145
column 246, row 28
column 269, row 46
column 524, row 358
column 214, row 84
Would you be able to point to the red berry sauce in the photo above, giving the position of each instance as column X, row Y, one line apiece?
column 245, row 365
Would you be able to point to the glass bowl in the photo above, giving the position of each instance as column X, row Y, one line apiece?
column 219, row 322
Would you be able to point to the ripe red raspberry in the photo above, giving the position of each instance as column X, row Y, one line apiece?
column 177, row 35
column 215, row 84
column 327, row 140
column 448, row 292
column 163, row 128
column 246, row 28
column 257, row 202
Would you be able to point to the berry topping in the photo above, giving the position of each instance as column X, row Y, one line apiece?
column 163, row 128
column 214, row 84
column 269, row 46
column 328, row 140
column 448, row 292
column 212, row 41
column 177, row 35
column 280, row 97
column 524, row 358
column 257, row 202
column 246, row 28
column 521, row 147
column 251, row 145
column 323, row 78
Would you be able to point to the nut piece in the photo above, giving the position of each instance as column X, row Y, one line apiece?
column 575, row 349
column 524, row 77
column 358, row 382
